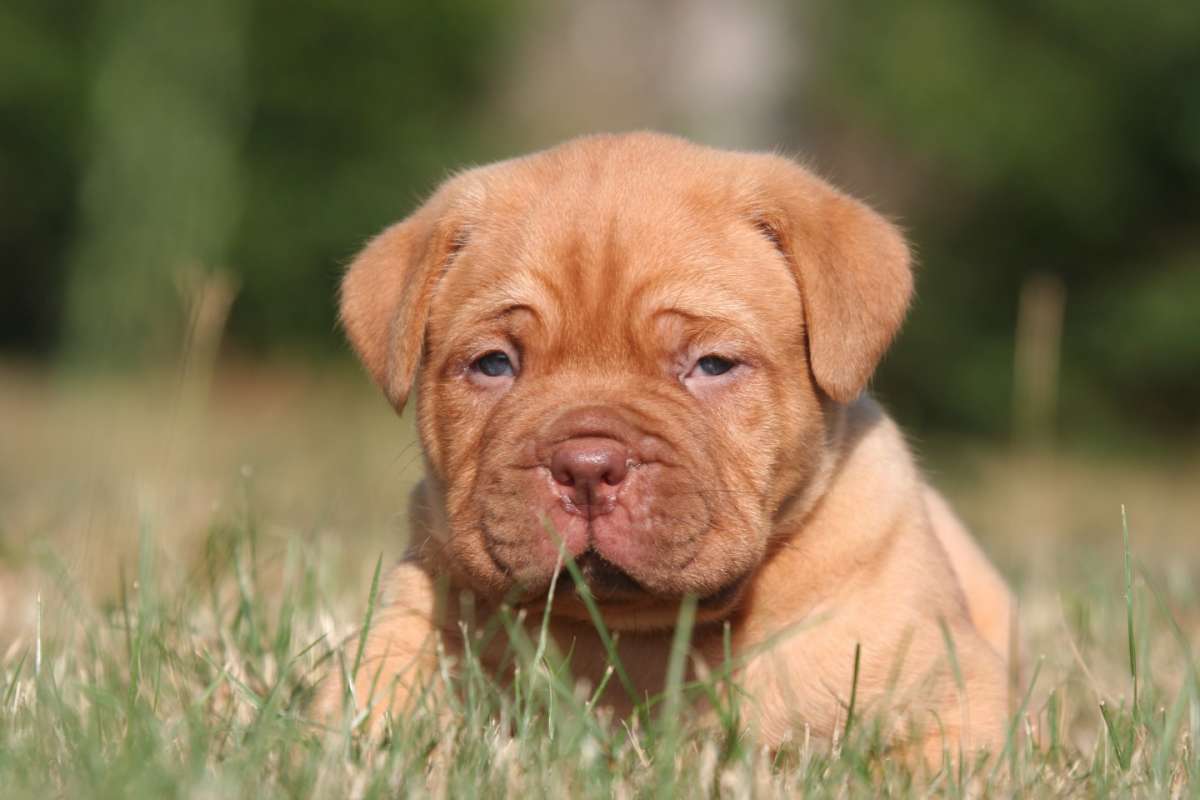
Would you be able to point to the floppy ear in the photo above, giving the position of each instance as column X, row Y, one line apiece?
column 853, row 268
column 388, row 288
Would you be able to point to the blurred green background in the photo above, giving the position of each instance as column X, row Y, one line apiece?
column 164, row 163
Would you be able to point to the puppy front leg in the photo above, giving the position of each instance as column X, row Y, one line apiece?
column 972, row 716
column 399, row 658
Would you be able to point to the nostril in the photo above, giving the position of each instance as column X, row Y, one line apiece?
column 615, row 472
column 561, row 472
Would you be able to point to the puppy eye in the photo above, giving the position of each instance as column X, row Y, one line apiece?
column 495, row 364
column 713, row 365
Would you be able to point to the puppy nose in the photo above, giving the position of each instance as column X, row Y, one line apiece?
column 587, row 465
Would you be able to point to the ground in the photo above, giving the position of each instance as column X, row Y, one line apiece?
column 179, row 556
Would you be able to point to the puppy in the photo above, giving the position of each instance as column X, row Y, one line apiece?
column 653, row 356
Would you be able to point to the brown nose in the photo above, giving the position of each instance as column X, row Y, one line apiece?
column 590, row 466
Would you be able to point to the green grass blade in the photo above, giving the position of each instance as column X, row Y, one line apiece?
column 1010, row 737
column 372, row 599
column 1129, row 627
column 1167, row 737
column 677, row 663
column 589, row 602
column 853, row 693
column 11, row 689
column 669, row 721
column 1114, row 739
column 1181, row 639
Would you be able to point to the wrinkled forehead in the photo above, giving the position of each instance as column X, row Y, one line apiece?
column 596, row 254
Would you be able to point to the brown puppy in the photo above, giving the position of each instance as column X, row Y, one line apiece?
column 658, row 351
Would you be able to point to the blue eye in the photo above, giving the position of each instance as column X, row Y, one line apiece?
column 494, row 364
column 714, row 365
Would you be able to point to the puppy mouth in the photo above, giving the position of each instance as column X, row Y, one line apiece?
column 609, row 583
column 605, row 580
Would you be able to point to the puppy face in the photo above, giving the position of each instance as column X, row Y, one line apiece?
column 628, row 345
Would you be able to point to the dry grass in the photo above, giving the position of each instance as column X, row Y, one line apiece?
column 172, row 573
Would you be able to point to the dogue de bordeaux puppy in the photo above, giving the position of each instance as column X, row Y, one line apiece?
column 653, row 356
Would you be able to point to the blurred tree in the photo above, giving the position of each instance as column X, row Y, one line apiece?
column 360, row 108
column 1056, row 137
column 41, row 119
column 161, row 192
column 139, row 142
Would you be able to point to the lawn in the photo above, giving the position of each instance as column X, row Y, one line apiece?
column 179, row 562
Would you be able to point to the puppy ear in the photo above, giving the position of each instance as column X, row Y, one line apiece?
column 853, row 268
column 387, row 291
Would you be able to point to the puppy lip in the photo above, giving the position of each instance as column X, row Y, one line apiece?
column 603, row 578
column 609, row 583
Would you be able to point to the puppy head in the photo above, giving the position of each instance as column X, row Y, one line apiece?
column 629, row 344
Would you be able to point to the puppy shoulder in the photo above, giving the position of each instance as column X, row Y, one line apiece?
column 871, row 443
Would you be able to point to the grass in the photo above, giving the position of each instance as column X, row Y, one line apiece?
column 172, row 583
